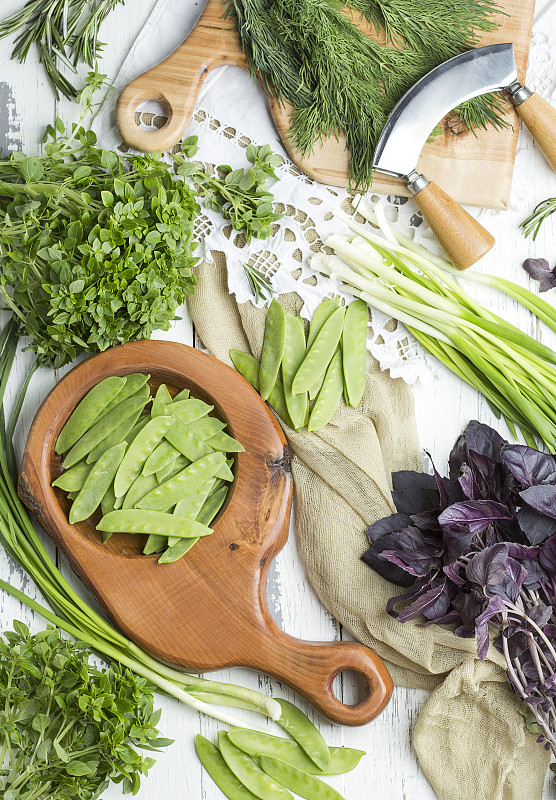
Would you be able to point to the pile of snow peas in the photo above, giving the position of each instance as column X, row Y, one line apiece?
column 247, row 765
column 331, row 362
column 162, row 472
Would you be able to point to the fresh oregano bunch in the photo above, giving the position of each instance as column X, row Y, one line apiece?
column 96, row 248
column 240, row 195
column 69, row 729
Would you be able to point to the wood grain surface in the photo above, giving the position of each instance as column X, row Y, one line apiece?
column 208, row 610
column 474, row 169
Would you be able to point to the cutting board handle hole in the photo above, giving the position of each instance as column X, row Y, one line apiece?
column 350, row 687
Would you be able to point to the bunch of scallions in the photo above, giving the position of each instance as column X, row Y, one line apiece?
column 71, row 613
column 392, row 273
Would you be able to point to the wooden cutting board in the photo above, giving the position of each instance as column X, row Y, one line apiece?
column 475, row 170
column 208, row 610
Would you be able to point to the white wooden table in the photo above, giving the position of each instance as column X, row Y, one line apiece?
column 390, row 770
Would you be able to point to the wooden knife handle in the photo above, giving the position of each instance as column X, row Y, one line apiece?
column 310, row 669
column 540, row 118
column 461, row 236
column 176, row 81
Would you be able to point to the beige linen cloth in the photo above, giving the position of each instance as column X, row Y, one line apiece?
column 470, row 737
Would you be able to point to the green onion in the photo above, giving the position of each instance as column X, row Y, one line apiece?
column 515, row 372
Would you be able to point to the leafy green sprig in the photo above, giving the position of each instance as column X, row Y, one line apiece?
column 532, row 224
column 262, row 289
column 66, row 728
column 239, row 195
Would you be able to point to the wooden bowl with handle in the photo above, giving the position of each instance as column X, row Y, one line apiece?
column 208, row 610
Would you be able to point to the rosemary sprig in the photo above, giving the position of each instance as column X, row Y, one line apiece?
column 533, row 223
column 339, row 80
column 260, row 286
column 65, row 32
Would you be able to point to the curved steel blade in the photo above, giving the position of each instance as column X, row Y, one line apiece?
column 485, row 69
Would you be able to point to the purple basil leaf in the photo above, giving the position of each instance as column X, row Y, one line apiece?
column 417, row 564
column 542, row 498
column 385, row 568
column 484, row 440
column 468, row 608
column 476, row 515
column 539, row 270
column 495, row 606
column 458, row 457
column 540, row 614
column 488, row 567
column 395, row 522
column 468, row 483
column 414, row 492
column 536, row 527
column 547, row 555
column 428, row 601
column 442, row 489
column 528, row 466
column 408, row 540
column 536, row 575
column 427, row 521
column 452, row 571
column 457, row 542
column 516, row 550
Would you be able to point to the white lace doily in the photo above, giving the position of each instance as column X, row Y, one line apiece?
column 231, row 113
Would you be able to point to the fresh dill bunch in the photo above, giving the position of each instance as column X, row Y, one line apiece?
column 342, row 81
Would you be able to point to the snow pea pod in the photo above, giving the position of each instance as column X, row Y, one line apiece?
column 326, row 308
column 164, row 473
column 184, row 483
column 162, row 400
column 176, row 551
column 212, row 506
column 141, row 486
column 88, row 411
column 186, row 441
column 273, row 348
column 163, row 454
column 329, row 395
column 176, row 466
column 118, row 435
column 343, row 759
column 300, row 728
column 300, row 782
column 249, row 773
column 226, row 444
column 354, row 351
column 183, row 395
column 138, row 452
column 156, row 543
column 321, row 352
column 134, row 520
column 294, row 354
column 134, row 382
column 101, row 429
column 190, row 410
column 192, row 504
column 96, row 483
column 212, row 760
column 71, row 480
column 248, row 366
column 107, row 503
column 206, row 427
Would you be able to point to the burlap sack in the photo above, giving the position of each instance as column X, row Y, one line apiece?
column 470, row 738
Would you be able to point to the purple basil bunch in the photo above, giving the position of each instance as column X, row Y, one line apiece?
column 479, row 547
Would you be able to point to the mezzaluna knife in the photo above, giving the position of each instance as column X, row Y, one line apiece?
column 409, row 125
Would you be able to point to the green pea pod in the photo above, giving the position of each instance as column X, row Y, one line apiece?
column 248, row 366
column 107, row 503
column 162, row 400
column 225, row 471
column 183, row 395
column 249, row 773
column 164, row 473
column 96, row 483
column 212, row 506
column 192, row 504
column 180, row 463
column 118, row 435
column 101, row 429
column 354, row 350
column 133, row 520
column 186, row 441
column 184, row 483
column 212, row 760
column 206, row 427
column 163, row 454
column 138, row 452
column 88, row 411
column 273, row 348
column 294, row 353
column 343, row 759
column 226, row 444
column 300, row 728
column 142, row 485
column 320, row 355
column 156, row 543
column 118, row 502
column 190, row 410
column 329, row 395
column 134, row 382
column 176, row 551
column 326, row 308
column 71, row 480
column 300, row 782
